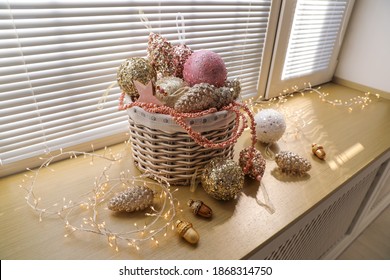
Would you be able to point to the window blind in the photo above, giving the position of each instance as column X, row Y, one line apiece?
column 311, row 33
column 313, row 36
column 58, row 57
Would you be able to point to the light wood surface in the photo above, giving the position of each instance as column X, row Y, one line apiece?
column 239, row 227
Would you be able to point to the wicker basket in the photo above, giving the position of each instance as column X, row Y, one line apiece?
column 161, row 146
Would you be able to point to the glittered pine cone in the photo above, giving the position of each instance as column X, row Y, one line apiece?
column 198, row 98
column 135, row 198
column 291, row 163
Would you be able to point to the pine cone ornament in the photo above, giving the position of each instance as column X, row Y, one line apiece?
column 136, row 198
column 235, row 86
column 223, row 96
column 198, row 98
column 160, row 54
column 291, row 163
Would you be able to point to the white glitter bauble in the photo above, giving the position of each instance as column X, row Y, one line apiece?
column 270, row 125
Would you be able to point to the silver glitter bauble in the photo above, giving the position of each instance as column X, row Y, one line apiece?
column 135, row 198
column 222, row 178
column 270, row 125
column 134, row 69
column 291, row 163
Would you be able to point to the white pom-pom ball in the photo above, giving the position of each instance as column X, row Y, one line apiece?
column 270, row 125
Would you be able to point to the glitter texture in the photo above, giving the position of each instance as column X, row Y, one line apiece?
column 257, row 166
column 180, row 54
column 270, row 125
column 291, row 163
column 222, row 179
column 205, row 66
column 160, row 55
column 134, row 69
column 169, row 90
column 198, row 98
column 136, row 198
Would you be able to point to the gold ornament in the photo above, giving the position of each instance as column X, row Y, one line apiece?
column 135, row 198
column 222, row 178
column 291, row 163
column 199, row 208
column 134, row 69
column 318, row 151
column 186, row 231
column 198, row 98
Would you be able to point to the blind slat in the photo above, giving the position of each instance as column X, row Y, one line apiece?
column 58, row 57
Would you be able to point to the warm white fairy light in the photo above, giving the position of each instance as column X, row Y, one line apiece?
column 162, row 216
column 358, row 101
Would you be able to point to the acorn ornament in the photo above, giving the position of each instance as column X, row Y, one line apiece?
column 291, row 163
column 318, row 151
column 135, row 198
column 186, row 231
column 199, row 208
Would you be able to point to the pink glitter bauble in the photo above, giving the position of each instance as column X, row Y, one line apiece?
column 205, row 66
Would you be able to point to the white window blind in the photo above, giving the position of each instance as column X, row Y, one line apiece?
column 58, row 57
column 308, row 47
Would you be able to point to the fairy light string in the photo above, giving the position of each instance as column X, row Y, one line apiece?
column 158, row 220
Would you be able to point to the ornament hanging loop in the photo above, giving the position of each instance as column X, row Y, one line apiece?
column 145, row 21
column 180, row 29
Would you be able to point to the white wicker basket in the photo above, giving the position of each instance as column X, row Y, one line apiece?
column 161, row 146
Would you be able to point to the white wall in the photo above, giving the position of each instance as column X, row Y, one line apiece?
column 365, row 54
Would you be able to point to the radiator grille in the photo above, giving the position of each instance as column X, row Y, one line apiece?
column 321, row 233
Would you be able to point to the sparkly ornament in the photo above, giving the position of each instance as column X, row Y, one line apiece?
column 199, row 208
column 146, row 93
column 256, row 167
column 169, row 90
column 291, row 163
column 180, row 54
column 160, row 54
column 198, row 98
column 134, row 69
column 235, row 86
column 186, row 231
column 270, row 125
column 205, row 66
column 136, row 198
column 222, row 178
column 318, row 151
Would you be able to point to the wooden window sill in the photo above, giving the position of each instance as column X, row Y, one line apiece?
column 239, row 228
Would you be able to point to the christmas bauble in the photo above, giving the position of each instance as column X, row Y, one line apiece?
column 205, row 66
column 134, row 69
column 270, row 125
column 222, row 178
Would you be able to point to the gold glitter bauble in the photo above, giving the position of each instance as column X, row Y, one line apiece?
column 222, row 178
column 134, row 69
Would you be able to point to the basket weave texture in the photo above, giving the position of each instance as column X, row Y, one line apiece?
column 161, row 146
